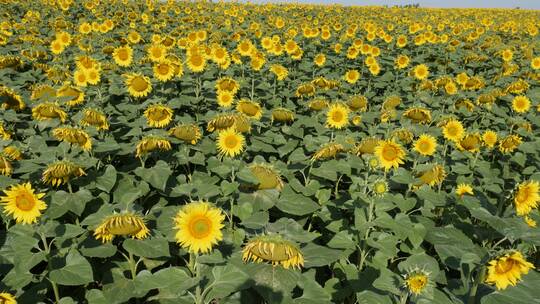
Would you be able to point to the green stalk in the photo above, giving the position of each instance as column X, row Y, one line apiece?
column 53, row 284
column 479, row 279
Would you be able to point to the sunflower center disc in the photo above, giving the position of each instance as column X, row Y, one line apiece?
column 25, row 203
column 200, row 227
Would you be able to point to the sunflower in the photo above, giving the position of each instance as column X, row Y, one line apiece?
column 225, row 99
column 453, row 130
column 164, row 70
column 530, row 222
column 433, row 176
column 273, row 249
column 71, row 95
column 158, row 116
column 138, row 85
column 5, row 166
column 74, row 136
column 21, row 202
column 421, row 71
column 151, row 143
column 463, row 189
column 242, row 123
column 12, row 153
column 470, row 142
column 404, row 135
column 95, row 118
column 328, row 150
column 123, row 55
column 227, row 84
column 318, row 104
column 221, row 122
column 351, row 76
column 4, row 134
column 507, row 55
column 526, row 197
column 509, row 143
column 379, row 187
column 358, row 103
column 521, row 104
column 61, row 172
column 282, row 115
column 198, row 226
column 416, row 282
column 93, row 76
column 156, row 52
column 425, row 145
column 465, row 104
column 319, row 60
column 121, row 224
column 306, row 89
column 188, row 133
column 269, row 178
column 366, row 146
column 535, row 63
column 279, row 71
column 7, row 298
column 250, row 108
column 47, row 111
column 43, row 91
column 389, row 153
column 418, row 115
column 10, row 99
column 507, row 270
column 79, row 78
column 402, row 61
column 337, row 116
column 196, row 62
column 57, row 47
column 230, row 142
column 490, row 138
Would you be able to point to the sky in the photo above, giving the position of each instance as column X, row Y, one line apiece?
column 526, row 4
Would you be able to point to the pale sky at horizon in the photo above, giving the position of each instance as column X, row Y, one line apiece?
column 525, row 4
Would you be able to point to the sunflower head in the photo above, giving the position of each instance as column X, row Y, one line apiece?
column 433, row 176
column 221, row 122
column 249, row 108
column 390, row 154
column 123, row 55
column 273, row 249
column 421, row 71
column 43, row 91
column 379, row 187
column 521, row 104
column 123, row 224
column 318, row 104
column 152, row 143
column 10, row 99
column 22, row 203
column 507, row 270
column 225, row 99
column 268, row 176
column 95, row 118
column 12, row 153
column 74, row 136
column 282, row 115
column 61, row 172
column 189, row 133
column 198, row 226
column 164, row 70
column 337, row 116
column 158, row 116
column 5, row 166
column 48, row 110
column 489, row 138
column 453, row 130
column 403, row 135
column 71, row 95
column 138, row 85
column 509, row 143
column 230, row 142
column 470, row 142
column 418, row 115
column 463, row 189
column 7, row 298
column 358, row 103
column 417, row 281
column 328, row 150
column 425, row 145
column 227, row 84
column 527, row 197
column 305, row 90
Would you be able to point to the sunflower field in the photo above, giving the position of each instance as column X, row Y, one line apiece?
column 201, row 152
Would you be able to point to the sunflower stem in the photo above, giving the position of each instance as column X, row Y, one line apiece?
column 479, row 279
column 132, row 266
column 252, row 87
column 70, row 189
column 53, row 284
column 403, row 298
column 197, row 267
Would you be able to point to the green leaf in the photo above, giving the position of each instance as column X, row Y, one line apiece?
column 317, row 256
column 295, row 204
column 76, row 271
column 156, row 176
column 153, row 247
column 226, row 280
column 107, row 181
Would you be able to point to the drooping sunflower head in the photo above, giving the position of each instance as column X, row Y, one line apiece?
column 403, row 135
column 425, row 145
column 417, row 281
column 367, row 146
column 463, row 189
column 527, row 197
column 509, row 143
column 328, row 150
column 358, row 103
column 337, row 116
column 453, row 130
column 418, row 115
column 138, row 85
column 318, row 104
column 250, row 108
column 507, row 270
column 61, row 172
column 391, row 102
column 95, row 118
column 282, row 115
column 305, row 90
column 464, row 104
column 12, row 153
column 198, row 226
column 10, row 99
column 470, row 142
column 221, row 122
column 122, row 224
column 390, row 154
column 74, row 136
column 490, row 138
column 158, row 115
column 521, row 104
column 230, row 142
column 22, row 203
column 7, row 298
column 433, row 176
column 71, row 95
column 152, row 143
column 273, row 249
column 268, row 176
column 227, row 84
column 242, row 123
column 44, row 91
column 48, row 110
column 189, row 133
column 5, row 166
